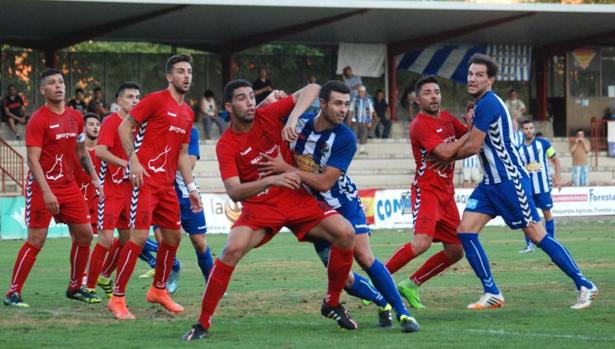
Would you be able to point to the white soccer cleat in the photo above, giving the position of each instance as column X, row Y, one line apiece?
column 585, row 296
column 488, row 301
column 529, row 248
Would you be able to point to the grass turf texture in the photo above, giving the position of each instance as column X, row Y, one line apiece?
column 275, row 294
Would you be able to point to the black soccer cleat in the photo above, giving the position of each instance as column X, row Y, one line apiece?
column 196, row 332
column 83, row 295
column 409, row 324
column 340, row 315
column 385, row 318
column 14, row 300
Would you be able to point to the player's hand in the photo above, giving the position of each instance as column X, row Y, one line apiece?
column 469, row 117
column 51, row 202
column 273, row 165
column 99, row 188
column 558, row 184
column 289, row 132
column 195, row 201
column 289, row 180
column 137, row 172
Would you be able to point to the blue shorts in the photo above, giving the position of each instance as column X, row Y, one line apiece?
column 506, row 200
column 193, row 223
column 354, row 214
column 543, row 201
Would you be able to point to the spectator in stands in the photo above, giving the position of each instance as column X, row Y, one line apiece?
column 579, row 149
column 353, row 82
column 78, row 102
column 14, row 110
column 361, row 114
column 209, row 112
column 515, row 106
column 98, row 105
column 471, row 171
column 114, row 107
column 408, row 102
column 315, row 106
column 262, row 86
column 381, row 107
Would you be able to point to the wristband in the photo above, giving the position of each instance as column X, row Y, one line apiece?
column 192, row 187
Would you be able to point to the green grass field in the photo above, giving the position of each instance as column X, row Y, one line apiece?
column 275, row 294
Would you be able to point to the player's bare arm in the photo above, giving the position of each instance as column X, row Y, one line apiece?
column 273, row 97
column 321, row 182
column 86, row 162
column 34, row 156
column 185, row 166
column 472, row 145
column 447, row 151
column 303, row 99
column 238, row 191
column 103, row 153
column 557, row 167
column 125, row 131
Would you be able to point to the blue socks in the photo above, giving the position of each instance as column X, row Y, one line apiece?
column 476, row 256
column 383, row 281
column 146, row 254
column 362, row 289
column 562, row 258
column 206, row 262
column 550, row 227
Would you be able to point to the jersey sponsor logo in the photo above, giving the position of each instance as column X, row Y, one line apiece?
column 245, row 152
column 66, row 135
column 533, row 167
column 171, row 114
column 54, row 126
column 57, row 170
column 177, row 129
column 305, row 162
column 257, row 159
column 158, row 163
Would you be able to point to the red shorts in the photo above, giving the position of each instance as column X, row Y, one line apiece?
column 92, row 208
column 73, row 208
column 435, row 214
column 151, row 205
column 300, row 212
column 114, row 209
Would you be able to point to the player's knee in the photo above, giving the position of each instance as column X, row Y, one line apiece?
column 349, row 281
column 345, row 236
column 454, row 252
column 232, row 253
column 364, row 257
column 198, row 242
column 419, row 246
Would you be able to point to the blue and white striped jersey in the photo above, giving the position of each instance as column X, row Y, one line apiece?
column 534, row 157
column 471, row 162
column 193, row 149
column 518, row 138
column 314, row 151
column 499, row 156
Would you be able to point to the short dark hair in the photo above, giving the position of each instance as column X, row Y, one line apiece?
column 231, row 86
column 10, row 85
column 168, row 66
column 49, row 72
column 127, row 85
column 378, row 91
column 492, row 66
column 579, row 130
column 79, row 90
column 208, row 94
column 90, row 116
column 333, row 85
column 511, row 91
column 97, row 88
column 426, row 79
column 526, row 121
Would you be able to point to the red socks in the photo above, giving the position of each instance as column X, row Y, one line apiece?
column 78, row 262
column 164, row 263
column 125, row 267
column 216, row 286
column 112, row 258
column 96, row 263
column 401, row 257
column 432, row 267
column 23, row 264
column 340, row 263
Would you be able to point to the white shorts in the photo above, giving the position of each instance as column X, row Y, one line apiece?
column 471, row 175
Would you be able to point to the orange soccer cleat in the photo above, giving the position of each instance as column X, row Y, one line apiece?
column 117, row 306
column 161, row 296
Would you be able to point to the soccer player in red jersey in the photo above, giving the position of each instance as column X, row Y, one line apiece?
column 434, row 211
column 114, row 209
column 54, row 137
column 83, row 179
column 164, row 121
column 269, row 203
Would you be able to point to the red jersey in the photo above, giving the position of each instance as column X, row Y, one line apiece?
column 426, row 132
column 84, row 180
column 165, row 126
column 109, row 137
column 57, row 136
column 238, row 153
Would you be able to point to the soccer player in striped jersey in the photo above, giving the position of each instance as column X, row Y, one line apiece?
column 323, row 150
column 505, row 191
column 534, row 153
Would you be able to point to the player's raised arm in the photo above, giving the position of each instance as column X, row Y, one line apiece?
column 303, row 99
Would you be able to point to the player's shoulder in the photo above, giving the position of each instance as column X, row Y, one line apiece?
column 490, row 101
column 343, row 134
column 545, row 142
column 227, row 141
column 111, row 119
column 39, row 114
column 154, row 97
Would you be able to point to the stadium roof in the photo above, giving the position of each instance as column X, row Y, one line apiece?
column 229, row 26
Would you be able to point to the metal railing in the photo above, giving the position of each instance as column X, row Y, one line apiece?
column 598, row 137
column 11, row 169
